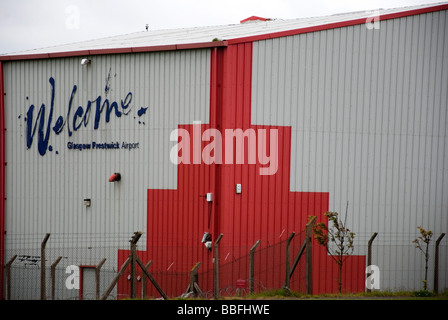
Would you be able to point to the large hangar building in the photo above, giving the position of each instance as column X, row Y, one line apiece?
column 243, row 130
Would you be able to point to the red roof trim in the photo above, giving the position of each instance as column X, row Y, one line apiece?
column 80, row 53
column 339, row 24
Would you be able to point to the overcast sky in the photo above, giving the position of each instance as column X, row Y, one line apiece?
column 31, row 24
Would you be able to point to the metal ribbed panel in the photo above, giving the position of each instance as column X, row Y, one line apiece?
column 368, row 116
column 45, row 192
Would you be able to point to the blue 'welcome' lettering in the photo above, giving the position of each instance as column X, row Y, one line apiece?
column 80, row 117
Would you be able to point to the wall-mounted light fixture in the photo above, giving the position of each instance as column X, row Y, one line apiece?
column 207, row 240
column 87, row 202
column 115, row 177
column 209, row 197
column 85, row 62
column 238, row 188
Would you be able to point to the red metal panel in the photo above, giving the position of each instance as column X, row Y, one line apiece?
column 265, row 210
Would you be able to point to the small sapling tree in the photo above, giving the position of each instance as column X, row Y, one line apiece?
column 422, row 243
column 341, row 239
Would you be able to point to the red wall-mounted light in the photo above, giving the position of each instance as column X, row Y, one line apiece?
column 115, row 177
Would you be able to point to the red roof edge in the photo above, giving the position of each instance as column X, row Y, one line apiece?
column 341, row 24
column 201, row 45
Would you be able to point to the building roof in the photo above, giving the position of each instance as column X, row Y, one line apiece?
column 211, row 36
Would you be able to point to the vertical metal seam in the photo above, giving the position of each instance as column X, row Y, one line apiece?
column 2, row 178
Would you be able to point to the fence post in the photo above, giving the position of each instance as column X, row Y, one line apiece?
column 117, row 277
column 133, row 242
column 297, row 258
column 43, row 287
column 287, row 271
column 369, row 253
column 251, row 266
column 436, row 264
column 144, row 279
column 97, row 279
column 194, row 281
column 216, row 268
column 150, row 277
column 309, row 255
column 53, row 276
column 8, row 277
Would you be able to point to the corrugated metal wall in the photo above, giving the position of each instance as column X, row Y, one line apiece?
column 359, row 116
column 46, row 189
column 368, row 115
column 267, row 209
column 264, row 210
column 177, row 219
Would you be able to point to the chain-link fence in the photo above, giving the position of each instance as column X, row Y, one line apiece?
column 85, row 267
column 69, row 263
column 267, row 262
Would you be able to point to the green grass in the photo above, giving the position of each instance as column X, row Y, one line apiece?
column 284, row 294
